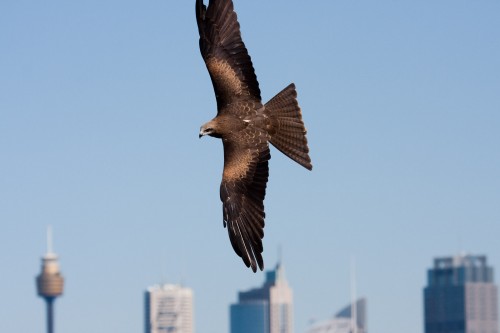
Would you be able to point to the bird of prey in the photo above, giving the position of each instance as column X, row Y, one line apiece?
column 246, row 127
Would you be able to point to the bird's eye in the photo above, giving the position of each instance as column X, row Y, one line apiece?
column 209, row 129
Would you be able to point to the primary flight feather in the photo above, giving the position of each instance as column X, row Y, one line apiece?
column 246, row 128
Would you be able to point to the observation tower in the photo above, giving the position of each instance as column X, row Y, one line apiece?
column 50, row 282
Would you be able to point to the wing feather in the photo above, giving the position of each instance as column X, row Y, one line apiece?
column 242, row 193
column 227, row 59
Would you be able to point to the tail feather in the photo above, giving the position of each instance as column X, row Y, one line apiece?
column 289, row 133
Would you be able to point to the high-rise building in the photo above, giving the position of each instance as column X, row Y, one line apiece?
column 50, row 282
column 461, row 296
column 169, row 309
column 345, row 321
column 268, row 309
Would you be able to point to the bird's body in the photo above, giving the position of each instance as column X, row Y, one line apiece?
column 246, row 127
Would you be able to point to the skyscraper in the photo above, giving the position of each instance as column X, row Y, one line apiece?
column 268, row 309
column 49, row 282
column 169, row 309
column 461, row 296
column 344, row 321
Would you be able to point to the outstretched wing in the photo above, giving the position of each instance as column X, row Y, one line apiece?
column 242, row 193
column 225, row 55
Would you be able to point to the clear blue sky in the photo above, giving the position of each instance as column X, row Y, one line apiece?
column 100, row 107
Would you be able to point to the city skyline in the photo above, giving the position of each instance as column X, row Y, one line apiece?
column 460, row 297
column 100, row 109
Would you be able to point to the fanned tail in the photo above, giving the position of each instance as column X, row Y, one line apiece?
column 289, row 133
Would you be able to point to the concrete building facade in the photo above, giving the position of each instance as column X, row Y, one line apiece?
column 169, row 309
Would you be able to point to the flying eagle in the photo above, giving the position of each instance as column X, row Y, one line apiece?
column 246, row 127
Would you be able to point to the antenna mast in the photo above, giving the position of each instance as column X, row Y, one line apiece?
column 49, row 239
column 354, row 305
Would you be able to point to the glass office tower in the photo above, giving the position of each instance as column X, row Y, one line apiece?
column 268, row 309
column 461, row 296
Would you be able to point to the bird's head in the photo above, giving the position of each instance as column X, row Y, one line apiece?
column 209, row 129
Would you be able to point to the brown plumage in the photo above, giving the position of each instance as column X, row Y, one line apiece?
column 246, row 128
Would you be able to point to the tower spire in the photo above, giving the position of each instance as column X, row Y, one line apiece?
column 280, row 254
column 49, row 239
